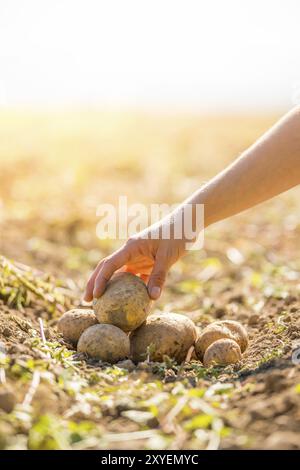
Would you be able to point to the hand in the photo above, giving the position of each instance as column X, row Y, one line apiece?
column 150, row 258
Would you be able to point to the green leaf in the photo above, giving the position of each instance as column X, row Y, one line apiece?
column 202, row 421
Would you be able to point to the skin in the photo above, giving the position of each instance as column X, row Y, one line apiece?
column 269, row 167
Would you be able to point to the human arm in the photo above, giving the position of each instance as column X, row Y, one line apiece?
column 269, row 167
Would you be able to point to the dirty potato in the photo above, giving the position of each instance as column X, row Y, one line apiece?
column 125, row 302
column 163, row 334
column 222, row 353
column 73, row 323
column 105, row 342
column 221, row 329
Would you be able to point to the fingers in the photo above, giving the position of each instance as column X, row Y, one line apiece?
column 145, row 277
column 132, row 259
column 108, row 267
column 157, row 277
column 88, row 295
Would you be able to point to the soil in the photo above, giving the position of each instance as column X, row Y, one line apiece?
column 248, row 271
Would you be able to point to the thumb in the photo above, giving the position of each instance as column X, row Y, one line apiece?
column 157, row 278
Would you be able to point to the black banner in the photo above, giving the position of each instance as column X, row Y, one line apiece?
column 134, row 459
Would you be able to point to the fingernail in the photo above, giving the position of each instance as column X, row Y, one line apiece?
column 97, row 294
column 155, row 292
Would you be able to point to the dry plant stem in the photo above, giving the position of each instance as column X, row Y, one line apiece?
column 168, row 424
column 189, row 354
column 42, row 330
column 2, row 376
column 32, row 389
column 42, row 333
column 29, row 280
column 128, row 436
column 214, row 441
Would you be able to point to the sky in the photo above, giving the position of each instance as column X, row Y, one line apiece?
column 181, row 54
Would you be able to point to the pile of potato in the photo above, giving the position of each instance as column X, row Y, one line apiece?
column 119, row 326
column 221, row 343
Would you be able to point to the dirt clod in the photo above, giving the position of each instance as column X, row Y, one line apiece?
column 7, row 399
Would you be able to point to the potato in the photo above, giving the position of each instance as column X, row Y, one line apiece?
column 222, row 353
column 218, row 330
column 163, row 334
column 125, row 302
column 105, row 342
column 73, row 323
column 239, row 332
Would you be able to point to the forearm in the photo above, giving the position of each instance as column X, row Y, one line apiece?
column 267, row 168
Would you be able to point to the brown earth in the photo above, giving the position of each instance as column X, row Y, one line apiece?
column 248, row 271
